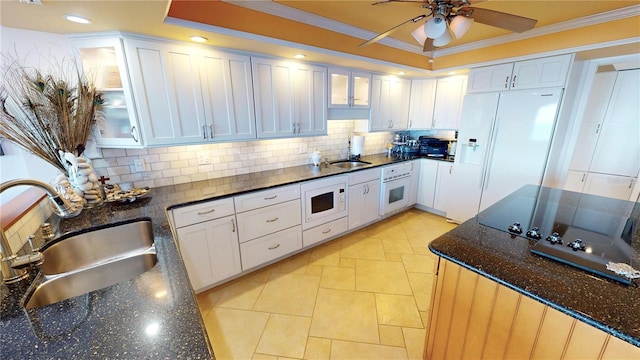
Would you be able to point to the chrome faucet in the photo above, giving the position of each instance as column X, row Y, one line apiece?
column 14, row 268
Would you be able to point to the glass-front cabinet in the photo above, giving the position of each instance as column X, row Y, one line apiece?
column 349, row 89
column 103, row 62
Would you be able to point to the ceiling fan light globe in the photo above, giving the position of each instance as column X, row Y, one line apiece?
column 444, row 39
column 460, row 25
column 419, row 34
column 435, row 27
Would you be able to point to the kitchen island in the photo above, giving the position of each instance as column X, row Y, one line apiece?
column 495, row 299
column 154, row 315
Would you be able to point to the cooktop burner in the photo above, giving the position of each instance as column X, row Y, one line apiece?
column 582, row 230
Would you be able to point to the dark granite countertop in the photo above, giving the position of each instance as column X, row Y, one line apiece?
column 154, row 315
column 606, row 304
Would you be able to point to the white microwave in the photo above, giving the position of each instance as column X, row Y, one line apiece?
column 324, row 200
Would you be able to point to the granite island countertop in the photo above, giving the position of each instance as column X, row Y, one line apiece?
column 154, row 315
column 606, row 304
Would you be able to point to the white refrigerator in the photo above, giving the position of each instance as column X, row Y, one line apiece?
column 503, row 144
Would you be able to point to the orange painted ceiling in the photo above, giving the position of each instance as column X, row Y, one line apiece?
column 274, row 31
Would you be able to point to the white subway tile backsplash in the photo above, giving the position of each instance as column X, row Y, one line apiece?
column 113, row 153
column 118, row 170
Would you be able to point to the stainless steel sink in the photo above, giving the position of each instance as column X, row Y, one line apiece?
column 51, row 290
column 97, row 246
column 348, row 164
column 92, row 260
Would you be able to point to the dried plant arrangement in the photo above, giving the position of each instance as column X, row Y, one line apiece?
column 48, row 114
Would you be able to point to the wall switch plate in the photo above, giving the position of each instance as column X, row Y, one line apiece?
column 204, row 158
column 140, row 165
column 304, row 149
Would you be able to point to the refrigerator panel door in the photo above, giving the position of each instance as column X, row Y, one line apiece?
column 478, row 114
column 522, row 136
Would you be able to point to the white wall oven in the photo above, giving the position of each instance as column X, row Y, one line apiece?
column 395, row 187
column 324, row 200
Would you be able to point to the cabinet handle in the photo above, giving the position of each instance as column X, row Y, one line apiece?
column 326, row 231
column 204, row 131
column 513, row 83
column 233, row 225
column 210, row 131
column 506, row 82
column 270, row 197
column 206, row 212
column 274, row 247
column 598, row 129
column 133, row 133
column 630, row 183
column 450, row 167
column 583, row 177
column 272, row 220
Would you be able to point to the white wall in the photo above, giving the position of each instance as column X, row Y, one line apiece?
column 42, row 51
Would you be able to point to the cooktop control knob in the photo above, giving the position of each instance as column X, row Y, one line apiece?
column 534, row 233
column 576, row 245
column 554, row 238
column 515, row 228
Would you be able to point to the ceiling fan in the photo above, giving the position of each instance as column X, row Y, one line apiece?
column 452, row 19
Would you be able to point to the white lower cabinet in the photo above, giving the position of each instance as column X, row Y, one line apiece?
column 324, row 232
column 270, row 247
column 414, row 185
column 428, row 178
column 364, row 197
column 210, row 251
column 607, row 185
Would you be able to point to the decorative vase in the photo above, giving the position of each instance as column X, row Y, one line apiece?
column 63, row 186
column 85, row 182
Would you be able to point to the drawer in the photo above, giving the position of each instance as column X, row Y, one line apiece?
column 259, row 222
column 262, row 250
column 361, row 176
column 325, row 231
column 209, row 210
column 264, row 198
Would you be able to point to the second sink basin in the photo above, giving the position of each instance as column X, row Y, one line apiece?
column 348, row 164
column 96, row 246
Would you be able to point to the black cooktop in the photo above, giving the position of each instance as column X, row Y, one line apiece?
column 582, row 230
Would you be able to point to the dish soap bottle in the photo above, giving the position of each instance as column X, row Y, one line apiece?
column 316, row 157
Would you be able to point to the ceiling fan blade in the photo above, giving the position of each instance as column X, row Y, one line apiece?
column 428, row 45
column 502, row 20
column 400, row 1
column 388, row 32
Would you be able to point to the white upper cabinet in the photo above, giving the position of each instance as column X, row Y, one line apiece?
column 228, row 96
column 448, row 102
column 537, row 73
column 104, row 62
column 389, row 103
column 421, row 104
column 190, row 95
column 166, row 81
column 290, row 98
column 349, row 89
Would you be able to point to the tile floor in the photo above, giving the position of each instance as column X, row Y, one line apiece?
column 364, row 295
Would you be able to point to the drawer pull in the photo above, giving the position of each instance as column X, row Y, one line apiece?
column 270, row 197
column 206, row 212
column 274, row 247
column 233, row 225
column 272, row 220
column 326, row 231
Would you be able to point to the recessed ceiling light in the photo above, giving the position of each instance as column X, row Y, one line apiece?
column 401, row 73
column 299, row 56
column 199, row 39
column 77, row 19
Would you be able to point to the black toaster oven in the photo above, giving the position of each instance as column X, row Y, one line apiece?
column 433, row 147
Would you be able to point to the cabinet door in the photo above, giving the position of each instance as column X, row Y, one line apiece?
column 380, row 104
column 310, row 100
column 458, row 190
column 448, row 104
column 339, row 88
column 400, row 96
column 415, row 182
column 421, row 103
column 166, row 81
column 273, row 95
column 210, row 251
column 228, row 96
column 618, row 148
column 103, row 60
column 539, row 73
column 361, row 90
column 364, row 203
column 613, row 186
column 372, row 201
column 575, row 180
column 428, row 178
column 490, row 78
column 591, row 124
